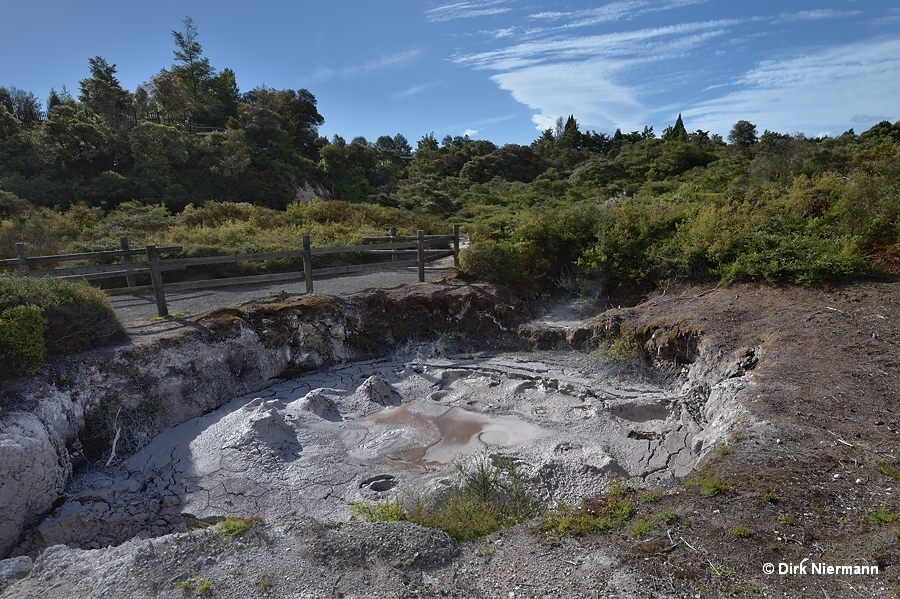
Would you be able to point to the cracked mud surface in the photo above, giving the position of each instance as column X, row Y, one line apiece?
column 386, row 429
column 808, row 462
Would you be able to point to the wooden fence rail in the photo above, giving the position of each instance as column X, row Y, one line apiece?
column 393, row 244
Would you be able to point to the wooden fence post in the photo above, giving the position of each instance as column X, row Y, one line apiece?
column 123, row 241
column 307, row 264
column 456, row 246
column 23, row 264
column 421, row 255
column 156, row 278
column 393, row 233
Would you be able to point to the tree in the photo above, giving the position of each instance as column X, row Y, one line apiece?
column 77, row 143
column 104, row 95
column 298, row 116
column 169, row 102
column 194, row 69
column 21, row 104
column 677, row 132
column 743, row 134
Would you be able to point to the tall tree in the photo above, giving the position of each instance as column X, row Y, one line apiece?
column 677, row 132
column 193, row 68
column 104, row 95
column 743, row 134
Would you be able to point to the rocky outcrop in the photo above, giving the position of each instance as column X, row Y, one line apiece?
column 113, row 401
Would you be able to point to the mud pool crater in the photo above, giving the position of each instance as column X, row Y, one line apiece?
column 392, row 427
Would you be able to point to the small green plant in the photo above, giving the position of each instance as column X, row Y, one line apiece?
column 233, row 526
column 752, row 588
column 709, row 485
column 264, row 583
column 483, row 497
column 196, row 586
column 741, row 532
column 381, row 511
column 669, row 517
column 721, row 570
column 651, row 495
column 598, row 514
column 641, row 528
column 882, row 515
column 204, row 587
column 622, row 348
column 888, row 468
column 783, row 519
column 446, row 343
column 769, row 497
column 169, row 316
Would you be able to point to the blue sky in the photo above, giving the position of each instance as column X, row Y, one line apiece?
column 501, row 70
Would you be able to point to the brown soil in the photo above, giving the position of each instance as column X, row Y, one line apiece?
column 813, row 473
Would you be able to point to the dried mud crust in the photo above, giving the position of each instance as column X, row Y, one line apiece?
column 812, row 474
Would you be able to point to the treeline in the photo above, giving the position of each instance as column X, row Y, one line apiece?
column 189, row 157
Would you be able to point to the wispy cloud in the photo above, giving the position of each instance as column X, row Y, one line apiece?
column 614, row 11
column 466, row 10
column 814, row 15
column 367, row 69
column 614, row 45
column 799, row 94
column 416, row 89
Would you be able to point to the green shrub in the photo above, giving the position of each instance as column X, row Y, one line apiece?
column 78, row 315
column 381, row 511
column 597, row 514
column 22, row 348
column 710, row 485
column 484, row 497
column 497, row 261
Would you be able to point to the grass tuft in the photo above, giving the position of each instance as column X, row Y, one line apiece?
column 484, row 497
column 598, row 514
column 233, row 526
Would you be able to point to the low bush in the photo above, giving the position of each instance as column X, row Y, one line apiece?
column 597, row 514
column 482, row 498
column 76, row 316
column 22, row 347
column 497, row 261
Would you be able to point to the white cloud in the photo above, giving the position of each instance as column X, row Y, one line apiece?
column 814, row 15
column 835, row 86
column 614, row 11
column 470, row 132
column 416, row 89
column 367, row 69
column 584, row 89
column 585, row 75
column 466, row 10
column 651, row 43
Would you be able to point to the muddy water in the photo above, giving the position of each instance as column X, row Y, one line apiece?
column 438, row 434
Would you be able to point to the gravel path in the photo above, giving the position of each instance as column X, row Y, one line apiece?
column 142, row 306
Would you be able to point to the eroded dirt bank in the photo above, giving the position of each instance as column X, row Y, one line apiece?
column 793, row 392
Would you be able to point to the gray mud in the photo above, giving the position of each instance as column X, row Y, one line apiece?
column 386, row 429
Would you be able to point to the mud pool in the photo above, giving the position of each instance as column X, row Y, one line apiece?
column 391, row 428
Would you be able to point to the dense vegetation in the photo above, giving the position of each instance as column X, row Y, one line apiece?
column 189, row 159
column 41, row 317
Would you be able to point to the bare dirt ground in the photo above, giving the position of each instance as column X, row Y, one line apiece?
column 806, row 482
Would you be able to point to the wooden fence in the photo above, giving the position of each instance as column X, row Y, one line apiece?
column 151, row 263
